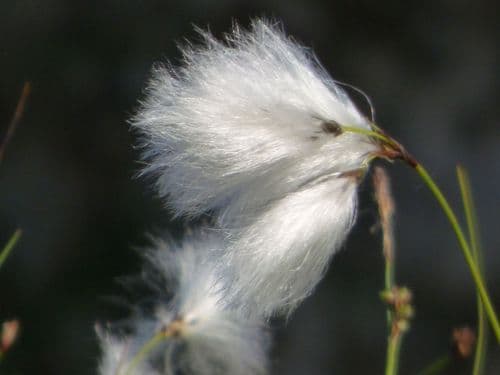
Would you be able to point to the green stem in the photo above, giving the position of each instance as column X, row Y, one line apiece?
column 473, row 229
column 482, row 340
column 391, row 294
column 146, row 348
column 466, row 251
column 469, row 208
column 368, row 133
column 389, row 286
column 393, row 349
column 10, row 245
column 389, row 275
column 393, row 338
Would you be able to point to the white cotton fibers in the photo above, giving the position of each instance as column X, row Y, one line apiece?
column 282, row 255
column 243, row 122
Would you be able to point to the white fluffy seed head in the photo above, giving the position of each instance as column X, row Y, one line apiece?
column 208, row 332
column 243, row 122
column 280, row 257
column 216, row 338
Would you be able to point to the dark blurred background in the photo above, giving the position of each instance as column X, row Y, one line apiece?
column 432, row 70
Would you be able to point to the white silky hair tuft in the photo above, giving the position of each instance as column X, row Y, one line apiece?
column 219, row 346
column 280, row 257
column 216, row 337
column 244, row 122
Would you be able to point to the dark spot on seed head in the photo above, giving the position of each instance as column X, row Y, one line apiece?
column 331, row 127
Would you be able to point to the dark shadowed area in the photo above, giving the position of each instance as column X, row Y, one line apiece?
column 432, row 70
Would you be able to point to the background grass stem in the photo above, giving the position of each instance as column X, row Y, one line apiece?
column 474, row 238
column 397, row 299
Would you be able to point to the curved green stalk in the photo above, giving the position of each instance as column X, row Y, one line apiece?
column 396, row 151
column 466, row 251
column 473, row 229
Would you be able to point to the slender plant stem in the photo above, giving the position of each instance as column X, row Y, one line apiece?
column 395, row 329
column 393, row 350
column 473, row 229
column 145, row 349
column 10, row 245
column 389, row 275
column 369, row 133
column 466, row 251
column 482, row 340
